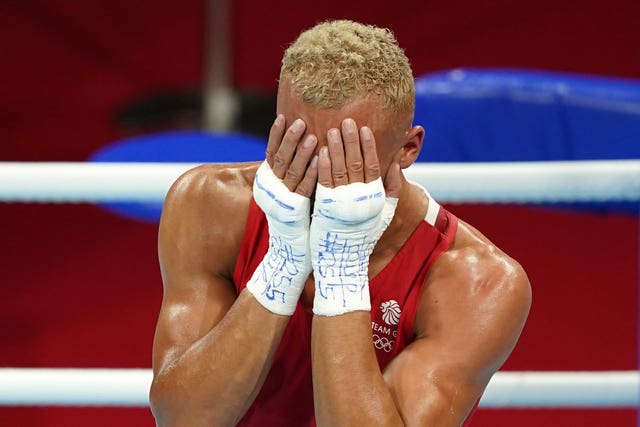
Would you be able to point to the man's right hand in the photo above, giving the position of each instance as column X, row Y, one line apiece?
column 282, row 186
column 290, row 160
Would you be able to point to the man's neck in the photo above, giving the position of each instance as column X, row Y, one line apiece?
column 411, row 210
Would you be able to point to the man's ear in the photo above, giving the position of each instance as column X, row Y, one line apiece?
column 410, row 150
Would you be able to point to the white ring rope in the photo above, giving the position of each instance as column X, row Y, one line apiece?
column 130, row 387
column 613, row 180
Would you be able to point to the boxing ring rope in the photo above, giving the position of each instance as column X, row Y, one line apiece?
column 521, row 182
column 130, row 387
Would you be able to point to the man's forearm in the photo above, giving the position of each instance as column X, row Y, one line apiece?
column 215, row 380
column 348, row 387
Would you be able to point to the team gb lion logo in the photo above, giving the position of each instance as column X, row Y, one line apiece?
column 391, row 312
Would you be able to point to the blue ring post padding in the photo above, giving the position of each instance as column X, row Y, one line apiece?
column 510, row 115
column 183, row 146
column 489, row 115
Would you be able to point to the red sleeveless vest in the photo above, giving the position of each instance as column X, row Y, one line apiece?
column 286, row 398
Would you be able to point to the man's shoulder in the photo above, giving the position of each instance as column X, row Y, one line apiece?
column 205, row 214
column 215, row 181
column 475, row 267
column 475, row 287
column 217, row 195
column 479, row 261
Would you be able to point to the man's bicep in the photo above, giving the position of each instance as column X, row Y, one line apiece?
column 189, row 310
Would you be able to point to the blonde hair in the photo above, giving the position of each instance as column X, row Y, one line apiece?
column 337, row 61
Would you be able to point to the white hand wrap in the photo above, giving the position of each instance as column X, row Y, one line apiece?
column 347, row 222
column 279, row 279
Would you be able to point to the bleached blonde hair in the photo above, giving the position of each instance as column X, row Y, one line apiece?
column 338, row 61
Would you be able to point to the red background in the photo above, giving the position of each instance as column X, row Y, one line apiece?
column 81, row 287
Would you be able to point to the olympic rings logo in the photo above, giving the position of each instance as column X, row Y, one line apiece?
column 382, row 343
